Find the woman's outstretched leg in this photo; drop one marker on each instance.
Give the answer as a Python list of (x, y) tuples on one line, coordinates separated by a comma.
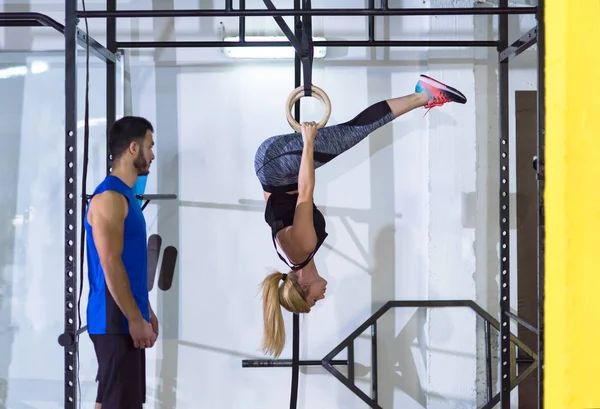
[(277, 160), (402, 105)]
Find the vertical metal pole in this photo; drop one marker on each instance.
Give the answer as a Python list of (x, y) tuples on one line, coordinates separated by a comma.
[(488, 362), (71, 202), (374, 379), (297, 61), (541, 48), (350, 351), (296, 318), (111, 78), (504, 214), (242, 28), (371, 21), (295, 362)]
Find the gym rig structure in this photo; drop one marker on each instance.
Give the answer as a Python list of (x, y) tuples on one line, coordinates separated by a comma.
[(301, 39)]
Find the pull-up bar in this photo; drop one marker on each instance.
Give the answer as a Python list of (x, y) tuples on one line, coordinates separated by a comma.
[(313, 12)]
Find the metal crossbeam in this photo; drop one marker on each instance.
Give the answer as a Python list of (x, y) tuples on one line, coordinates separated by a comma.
[(96, 48), (522, 44), (314, 12), (29, 19), (41, 20), (327, 43)]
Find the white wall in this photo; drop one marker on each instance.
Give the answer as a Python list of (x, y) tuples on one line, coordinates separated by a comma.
[(411, 212)]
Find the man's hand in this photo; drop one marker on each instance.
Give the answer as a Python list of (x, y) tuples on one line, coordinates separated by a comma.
[(142, 334), (154, 322)]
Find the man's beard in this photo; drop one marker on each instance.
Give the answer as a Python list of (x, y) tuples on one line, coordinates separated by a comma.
[(141, 165)]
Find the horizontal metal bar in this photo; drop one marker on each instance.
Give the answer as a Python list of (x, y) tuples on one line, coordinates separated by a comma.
[(521, 321), (519, 46), (350, 43), (429, 303), (284, 363), (95, 47), (20, 23), (156, 197), (37, 17), (313, 12)]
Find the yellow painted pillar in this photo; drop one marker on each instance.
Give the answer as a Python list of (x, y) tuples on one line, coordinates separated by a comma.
[(572, 204)]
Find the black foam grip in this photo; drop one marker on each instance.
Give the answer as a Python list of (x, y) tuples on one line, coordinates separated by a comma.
[(167, 268), (154, 246)]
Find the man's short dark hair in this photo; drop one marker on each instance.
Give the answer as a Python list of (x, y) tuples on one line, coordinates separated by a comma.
[(126, 130)]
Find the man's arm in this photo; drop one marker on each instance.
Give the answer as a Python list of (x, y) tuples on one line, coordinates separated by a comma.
[(108, 212), (153, 319)]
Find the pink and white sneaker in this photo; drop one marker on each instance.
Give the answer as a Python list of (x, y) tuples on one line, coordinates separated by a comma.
[(438, 93)]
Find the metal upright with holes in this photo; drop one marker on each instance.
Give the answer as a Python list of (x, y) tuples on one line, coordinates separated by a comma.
[(504, 208), (111, 76), (71, 197)]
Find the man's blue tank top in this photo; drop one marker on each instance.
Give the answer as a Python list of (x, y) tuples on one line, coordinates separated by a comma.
[(103, 314)]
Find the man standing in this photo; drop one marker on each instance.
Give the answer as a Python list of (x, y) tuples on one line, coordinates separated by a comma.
[(120, 320)]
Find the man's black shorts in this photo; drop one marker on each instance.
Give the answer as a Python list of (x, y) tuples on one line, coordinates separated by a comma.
[(121, 372)]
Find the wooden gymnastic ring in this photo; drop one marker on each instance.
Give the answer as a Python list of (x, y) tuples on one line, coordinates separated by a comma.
[(295, 96)]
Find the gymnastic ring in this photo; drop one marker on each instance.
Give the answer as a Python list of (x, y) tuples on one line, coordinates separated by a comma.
[(295, 96)]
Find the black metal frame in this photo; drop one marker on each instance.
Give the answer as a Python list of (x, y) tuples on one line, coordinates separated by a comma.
[(302, 41), (348, 344)]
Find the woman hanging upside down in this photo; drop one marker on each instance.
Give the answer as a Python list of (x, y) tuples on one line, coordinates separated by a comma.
[(285, 166)]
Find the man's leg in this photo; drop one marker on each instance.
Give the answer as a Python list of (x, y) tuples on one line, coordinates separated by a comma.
[(121, 372), (98, 404), (98, 396)]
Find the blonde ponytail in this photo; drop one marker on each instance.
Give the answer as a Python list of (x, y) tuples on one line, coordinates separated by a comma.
[(289, 296)]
